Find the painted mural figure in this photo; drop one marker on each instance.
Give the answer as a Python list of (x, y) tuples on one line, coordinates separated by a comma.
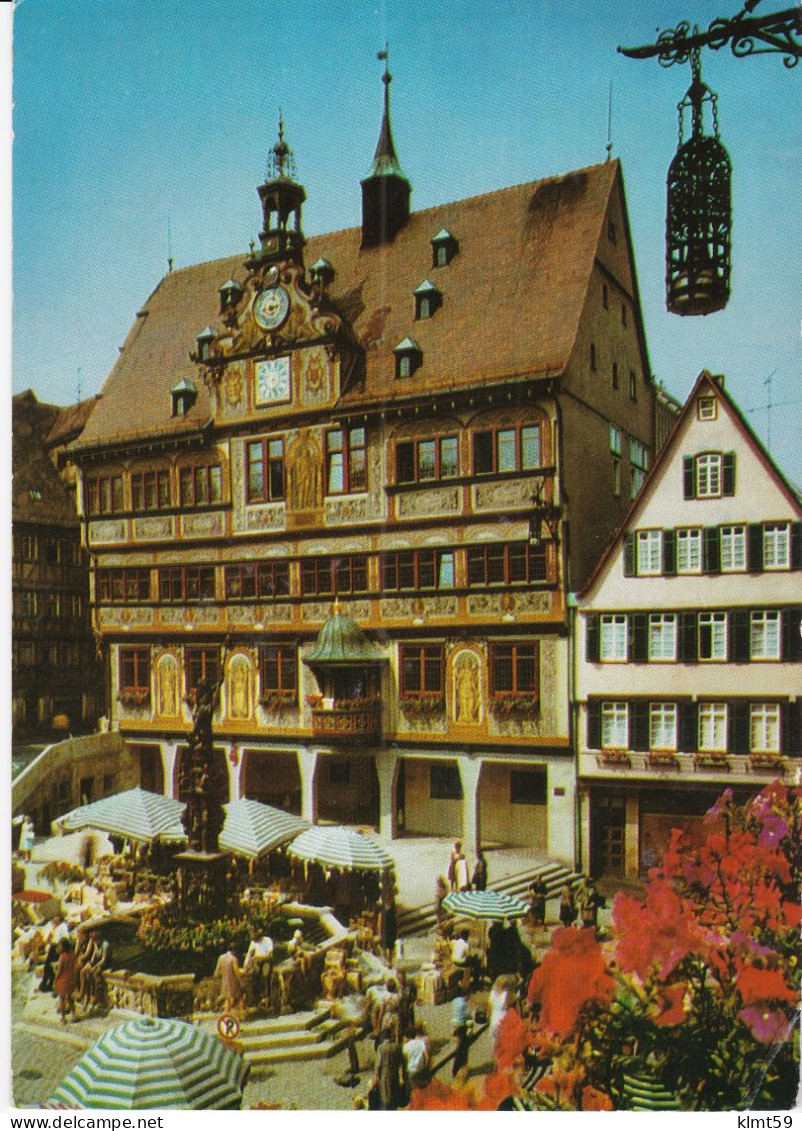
[(468, 700), (240, 690), (306, 480), (168, 687)]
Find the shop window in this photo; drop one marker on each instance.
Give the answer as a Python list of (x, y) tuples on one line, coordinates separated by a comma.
[(444, 782)]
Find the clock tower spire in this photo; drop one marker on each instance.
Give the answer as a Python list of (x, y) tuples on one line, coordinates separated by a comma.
[(282, 198), (385, 190)]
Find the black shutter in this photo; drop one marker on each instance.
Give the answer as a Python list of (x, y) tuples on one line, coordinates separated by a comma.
[(728, 473), (755, 547), (592, 638), (638, 637), (791, 633), (791, 728), (711, 557), (688, 477), (638, 725), (629, 554), (738, 633), (669, 552), (796, 545), (688, 637), (738, 727), (688, 727), (594, 724)]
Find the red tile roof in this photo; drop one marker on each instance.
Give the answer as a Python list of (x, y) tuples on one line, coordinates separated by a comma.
[(512, 300)]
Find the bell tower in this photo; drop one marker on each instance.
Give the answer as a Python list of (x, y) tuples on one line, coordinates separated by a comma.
[(385, 190), (282, 199)]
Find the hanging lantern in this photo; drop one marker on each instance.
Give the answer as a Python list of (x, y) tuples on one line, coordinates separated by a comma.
[(699, 216)]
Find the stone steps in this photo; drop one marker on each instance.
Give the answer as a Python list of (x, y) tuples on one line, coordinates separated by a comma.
[(420, 920), (309, 1035)]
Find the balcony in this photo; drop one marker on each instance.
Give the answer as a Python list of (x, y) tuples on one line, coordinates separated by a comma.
[(347, 718)]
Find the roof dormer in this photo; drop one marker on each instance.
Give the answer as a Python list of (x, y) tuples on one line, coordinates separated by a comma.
[(184, 395), (427, 299), (408, 357), (444, 248)]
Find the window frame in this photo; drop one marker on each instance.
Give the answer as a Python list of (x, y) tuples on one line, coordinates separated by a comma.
[(104, 494), (518, 447), (613, 630), (518, 688), (415, 446), (428, 658), (614, 714), (200, 662), (663, 722), (651, 541), (733, 556), (768, 717), (262, 573), (481, 559), (151, 490), (770, 646), (689, 543), (134, 657), (174, 583), (354, 460), (443, 784), (712, 714), (190, 475), (258, 455), (714, 621), (398, 566), (349, 568), (772, 559), (122, 585), (285, 659), (662, 645)]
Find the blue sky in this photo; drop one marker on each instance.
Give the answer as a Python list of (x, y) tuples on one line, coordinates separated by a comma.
[(135, 118)]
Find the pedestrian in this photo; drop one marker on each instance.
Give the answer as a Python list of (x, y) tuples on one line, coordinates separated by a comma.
[(440, 892), (537, 901), (462, 876), (58, 931), (456, 852), (390, 1012), (479, 878), (387, 1078), (590, 902), (259, 963), (567, 906), (65, 981), (461, 1016), (228, 971), (94, 961), (416, 1053), (27, 839), (388, 925)]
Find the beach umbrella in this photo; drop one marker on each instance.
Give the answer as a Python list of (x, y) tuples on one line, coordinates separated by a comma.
[(72, 848), (155, 1062), (253, 829), (135, 814), (337, 846), (485, 905)]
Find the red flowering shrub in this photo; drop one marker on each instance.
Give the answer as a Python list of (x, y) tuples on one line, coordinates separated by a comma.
[(572, 975)]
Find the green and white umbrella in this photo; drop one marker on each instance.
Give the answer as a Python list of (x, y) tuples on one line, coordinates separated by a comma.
[(252, 829), (485, 905), (154, 1062), (337, 846), (137, 814)]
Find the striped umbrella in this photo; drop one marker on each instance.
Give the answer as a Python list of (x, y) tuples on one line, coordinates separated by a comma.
[(136, 815), (153, 1062), (485, 905), (252, 829), (338, 846)]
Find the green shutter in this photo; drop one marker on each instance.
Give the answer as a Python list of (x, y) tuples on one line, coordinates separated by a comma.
[(638, 637), (738, 633), (688, 477), (738, 727), (711, 556), (629, 554), (688, 727), (669, 552), (594, 724), (639, 725), (688, 637), (592, 642), (728, 473), (755, 562)]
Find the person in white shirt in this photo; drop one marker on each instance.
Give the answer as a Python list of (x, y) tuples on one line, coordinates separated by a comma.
[(416, 1053), (259, 963)]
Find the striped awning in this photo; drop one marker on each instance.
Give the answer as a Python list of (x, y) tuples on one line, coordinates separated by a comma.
[(338, 846), (154, 1062), (485, 905), (252, 829), (136, 815)]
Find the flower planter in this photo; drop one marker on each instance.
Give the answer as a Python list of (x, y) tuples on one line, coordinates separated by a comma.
[(767, 763), (615, 758), (661, 761)]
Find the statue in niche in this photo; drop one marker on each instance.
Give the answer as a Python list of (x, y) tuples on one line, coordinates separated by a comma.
[(168, 686), (239, 689), (468, 691), (306, 475)]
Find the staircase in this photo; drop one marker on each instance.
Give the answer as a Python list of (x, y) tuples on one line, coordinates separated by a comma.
[(307, 1035), (419, 920)]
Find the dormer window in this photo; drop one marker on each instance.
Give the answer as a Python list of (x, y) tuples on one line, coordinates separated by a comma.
[(322, 272), (204, 340), (408, 357), (444, 248), (427, 299), (230, 294), (184, 395), (706, 408)]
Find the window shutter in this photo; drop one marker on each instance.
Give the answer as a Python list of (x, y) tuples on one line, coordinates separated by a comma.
[(688, 727), (592, 641), (738, 632), (629, 554), (594, 724), (638, 725), (688, 477), (637, 637), (728, 473), (755, 547), (738, 727), (791, 642), (711, 557), (688, 637), (796, 545), (669, 552), (791, 728)]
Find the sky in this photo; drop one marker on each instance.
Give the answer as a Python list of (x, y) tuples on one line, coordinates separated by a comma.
[(142, 128)]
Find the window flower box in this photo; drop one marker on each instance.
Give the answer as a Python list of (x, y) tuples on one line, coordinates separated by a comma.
[(512, 704), (134, 696), (662, 760), (314, 700), (767, 761), (421, 704), (616, 758), (712, 759), (278, 700)]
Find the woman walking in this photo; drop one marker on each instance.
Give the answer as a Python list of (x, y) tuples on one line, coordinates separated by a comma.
[(567, 907), (65, 980)]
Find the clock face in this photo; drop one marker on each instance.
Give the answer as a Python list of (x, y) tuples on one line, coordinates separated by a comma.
[(272, 380), (270, 307)]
